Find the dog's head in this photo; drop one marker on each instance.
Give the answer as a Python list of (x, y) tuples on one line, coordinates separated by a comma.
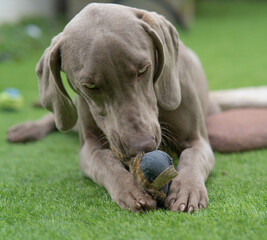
[(124, 63)]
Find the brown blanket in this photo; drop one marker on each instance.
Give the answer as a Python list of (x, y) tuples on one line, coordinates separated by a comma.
[(238, 130)]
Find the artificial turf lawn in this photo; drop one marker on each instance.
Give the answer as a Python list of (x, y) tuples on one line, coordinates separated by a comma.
[(43, 194)]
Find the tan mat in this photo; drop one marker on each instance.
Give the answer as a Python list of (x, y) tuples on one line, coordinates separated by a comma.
[(238, 130)]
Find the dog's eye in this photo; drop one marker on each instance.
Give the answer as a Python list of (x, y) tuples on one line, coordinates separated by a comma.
[(142, 70), (91, 85)]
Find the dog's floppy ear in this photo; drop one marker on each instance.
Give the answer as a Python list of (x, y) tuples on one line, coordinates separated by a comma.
[(52, 93), (165, 37)]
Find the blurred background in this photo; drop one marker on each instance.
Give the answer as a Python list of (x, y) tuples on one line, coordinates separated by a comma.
[(181, 11), (34, 21)]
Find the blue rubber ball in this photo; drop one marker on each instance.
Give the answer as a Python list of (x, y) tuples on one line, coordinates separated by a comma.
[(153, 164)]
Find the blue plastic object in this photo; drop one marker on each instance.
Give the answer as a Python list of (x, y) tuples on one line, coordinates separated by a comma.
[(11, 99)]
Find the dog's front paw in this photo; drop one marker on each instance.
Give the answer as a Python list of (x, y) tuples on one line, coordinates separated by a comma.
[(129, 196), (186, 194)]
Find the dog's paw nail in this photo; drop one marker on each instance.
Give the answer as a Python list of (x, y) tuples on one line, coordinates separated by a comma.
[(191, 209), (200, 206), (142, 201), (137, 205), (182, 207)]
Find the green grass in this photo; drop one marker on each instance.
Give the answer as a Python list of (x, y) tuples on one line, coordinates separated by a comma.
[(43, 194)]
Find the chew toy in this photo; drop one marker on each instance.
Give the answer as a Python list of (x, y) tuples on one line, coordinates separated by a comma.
[(153, 172), (11, 99)]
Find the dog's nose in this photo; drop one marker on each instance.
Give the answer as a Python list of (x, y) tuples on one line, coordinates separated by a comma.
[(144, 145)]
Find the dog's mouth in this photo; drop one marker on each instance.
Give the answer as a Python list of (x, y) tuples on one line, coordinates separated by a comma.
[(125, 158), (129, 146)]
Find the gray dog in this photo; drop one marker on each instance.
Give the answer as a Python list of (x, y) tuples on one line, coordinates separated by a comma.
[(135, 80)]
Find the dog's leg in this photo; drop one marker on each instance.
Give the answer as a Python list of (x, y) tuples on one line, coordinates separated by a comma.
[(100, 164), (31, 130), (187, 191), (103, 167)]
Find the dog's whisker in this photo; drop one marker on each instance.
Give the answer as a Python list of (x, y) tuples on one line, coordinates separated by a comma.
[(104, 143), (165, 144), (166, 127), (169, 135), (101, 138)]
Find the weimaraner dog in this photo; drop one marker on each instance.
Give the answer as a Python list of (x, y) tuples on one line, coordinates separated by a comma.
[(137, 86)]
